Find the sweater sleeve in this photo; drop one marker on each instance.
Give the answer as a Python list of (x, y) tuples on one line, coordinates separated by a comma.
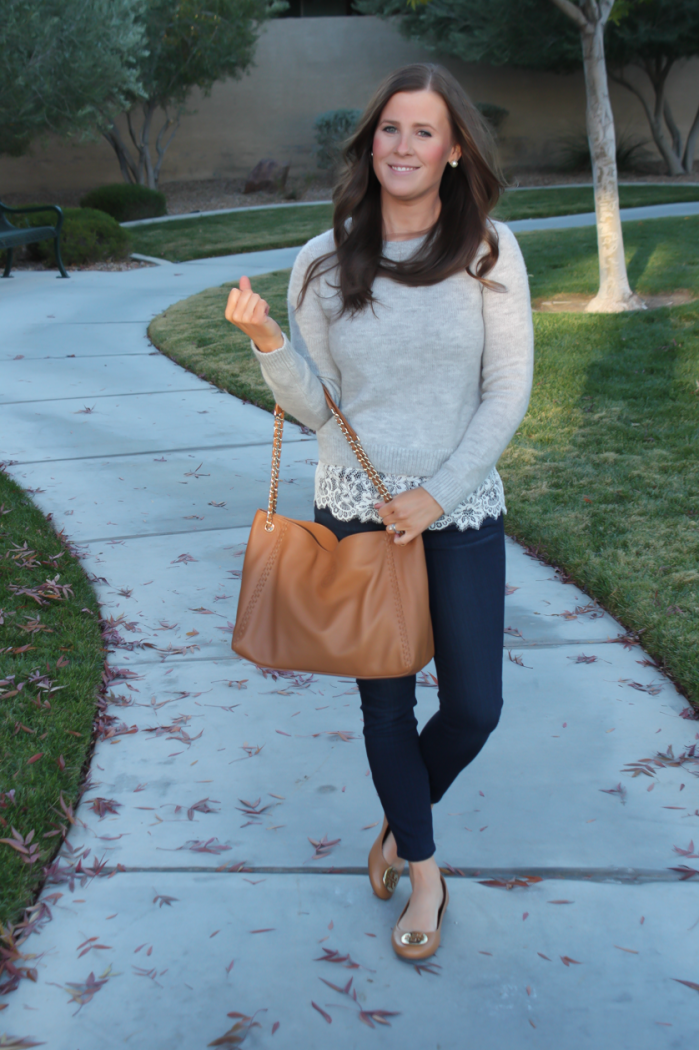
[(506, 379), (295, 371)]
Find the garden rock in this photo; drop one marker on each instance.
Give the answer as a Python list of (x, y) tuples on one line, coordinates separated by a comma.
[(266, 176)]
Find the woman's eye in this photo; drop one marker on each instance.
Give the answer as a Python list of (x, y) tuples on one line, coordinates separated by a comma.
[(423, 132), (389, 127)]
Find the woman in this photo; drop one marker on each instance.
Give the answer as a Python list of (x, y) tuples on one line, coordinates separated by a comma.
[(414, 312)]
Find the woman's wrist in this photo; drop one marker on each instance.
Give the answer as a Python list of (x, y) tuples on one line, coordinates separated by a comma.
[(268, 347)]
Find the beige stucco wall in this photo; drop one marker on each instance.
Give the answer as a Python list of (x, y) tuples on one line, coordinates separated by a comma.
[(307, 65)]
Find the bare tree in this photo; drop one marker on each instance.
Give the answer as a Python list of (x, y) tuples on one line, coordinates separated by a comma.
[(520, 33), (614, 295), (189, 44), (653, 38)]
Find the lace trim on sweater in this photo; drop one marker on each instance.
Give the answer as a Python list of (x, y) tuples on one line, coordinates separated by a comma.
[(347, 493)]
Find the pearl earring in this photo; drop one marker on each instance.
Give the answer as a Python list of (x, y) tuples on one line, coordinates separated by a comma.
[(454, 163)]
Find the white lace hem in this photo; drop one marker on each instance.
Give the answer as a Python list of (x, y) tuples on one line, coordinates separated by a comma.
[(347, 493)]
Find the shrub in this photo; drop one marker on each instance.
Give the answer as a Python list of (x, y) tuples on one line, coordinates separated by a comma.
[(88, 236), (332, 129), (126, 202), (573, 153), (494, 115)]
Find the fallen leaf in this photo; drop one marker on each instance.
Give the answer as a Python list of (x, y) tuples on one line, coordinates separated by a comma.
[(685, 872), (322, 1013), (689, 984), (689, 852)]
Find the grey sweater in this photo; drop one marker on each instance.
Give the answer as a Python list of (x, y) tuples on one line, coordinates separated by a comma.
[(435, 380)]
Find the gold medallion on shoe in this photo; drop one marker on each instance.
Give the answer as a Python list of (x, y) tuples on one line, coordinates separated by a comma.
[(383, 877), (414, 937), (414, 944), (390, 879)]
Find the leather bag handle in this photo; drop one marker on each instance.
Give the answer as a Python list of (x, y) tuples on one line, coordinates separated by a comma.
[(352, 439)]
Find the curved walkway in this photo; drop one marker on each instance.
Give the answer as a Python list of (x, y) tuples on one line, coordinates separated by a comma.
[(626, 213), (157, 483)]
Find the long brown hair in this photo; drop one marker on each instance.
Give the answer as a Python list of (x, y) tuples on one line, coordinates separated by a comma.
[(468, 193)]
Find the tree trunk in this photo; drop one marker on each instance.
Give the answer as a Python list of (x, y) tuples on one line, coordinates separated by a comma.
[(614, 295), (140, 168), (128, 169), (136, 138), (162, 144), (655, 117), (688, 159), (672, 128), (672, 155), (144, 145)]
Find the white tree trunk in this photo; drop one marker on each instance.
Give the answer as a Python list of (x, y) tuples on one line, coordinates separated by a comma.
[(614, 295)]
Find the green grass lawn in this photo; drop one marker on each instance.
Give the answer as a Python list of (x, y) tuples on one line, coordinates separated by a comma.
[(603, 475), (202, 238), (572, 200), (52, 659)]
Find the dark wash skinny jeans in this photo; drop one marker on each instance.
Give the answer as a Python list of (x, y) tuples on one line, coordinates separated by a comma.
[(466, 573)]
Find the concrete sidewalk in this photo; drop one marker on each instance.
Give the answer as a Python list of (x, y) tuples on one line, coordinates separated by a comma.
[(590, 956)]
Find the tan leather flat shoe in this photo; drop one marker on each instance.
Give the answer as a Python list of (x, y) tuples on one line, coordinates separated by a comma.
[(415, 945), (383, 876)]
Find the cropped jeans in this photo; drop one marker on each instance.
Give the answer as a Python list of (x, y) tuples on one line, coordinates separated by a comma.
[(411, 770)]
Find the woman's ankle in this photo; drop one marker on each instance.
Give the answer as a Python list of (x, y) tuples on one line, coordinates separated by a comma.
[(424, 873), (390, 851)]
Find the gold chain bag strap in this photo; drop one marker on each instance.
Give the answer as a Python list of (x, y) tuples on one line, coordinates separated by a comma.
[(357, 607)]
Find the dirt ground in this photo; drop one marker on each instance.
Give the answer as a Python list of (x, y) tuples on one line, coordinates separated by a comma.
[(572, 302)]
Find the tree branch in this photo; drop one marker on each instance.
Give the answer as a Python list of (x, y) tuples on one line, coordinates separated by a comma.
[(654, 117), (131, 131), (672, 128), (148, 111), (605, 10), (619, 78), (161, 150), (129, 171), (688, 159), (573, 12)]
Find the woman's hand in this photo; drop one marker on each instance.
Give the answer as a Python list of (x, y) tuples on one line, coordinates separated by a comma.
[(411, 512), (250, 313)]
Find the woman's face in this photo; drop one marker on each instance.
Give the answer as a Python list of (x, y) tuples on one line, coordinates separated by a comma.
[(413, 143)]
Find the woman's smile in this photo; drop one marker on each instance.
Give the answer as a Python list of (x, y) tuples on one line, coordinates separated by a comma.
[(412, 144)]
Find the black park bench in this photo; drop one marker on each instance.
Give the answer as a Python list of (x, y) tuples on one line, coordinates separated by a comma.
[(13, 236)]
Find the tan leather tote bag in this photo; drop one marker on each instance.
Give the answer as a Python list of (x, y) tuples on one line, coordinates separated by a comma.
[(356, 607)]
